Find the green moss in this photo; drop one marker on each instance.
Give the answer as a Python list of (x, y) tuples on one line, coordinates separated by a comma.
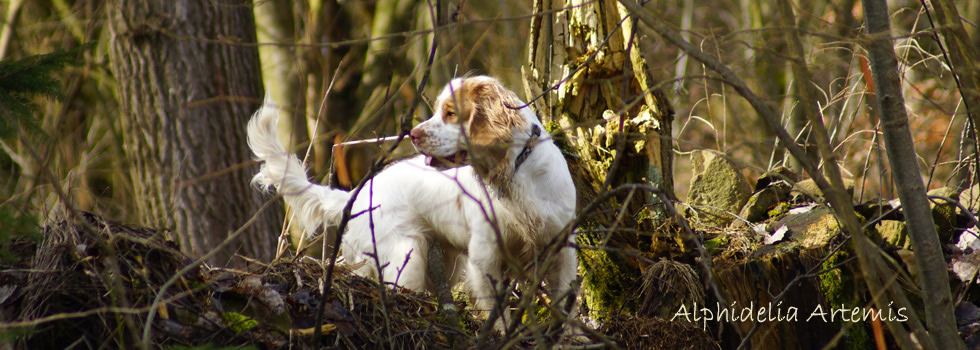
[(539, 313), (609, 282), (716, 244), (238, 322), (780, 209), (838, 289), (560, 139), (831, 282), (944, 216)]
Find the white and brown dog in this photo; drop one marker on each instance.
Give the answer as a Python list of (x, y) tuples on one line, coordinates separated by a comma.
[(490, 186)]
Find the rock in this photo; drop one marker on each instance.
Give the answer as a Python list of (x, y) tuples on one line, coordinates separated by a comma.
[(908, 258), (893, 232), (873, 209), (777, 174), (971, 198), (717, 189), (948, 192), (819, 232), (968, 320), (969, 241), (965, 267), (757, 207), (811, 226), (944, 212), (808, 188), (967, 313)]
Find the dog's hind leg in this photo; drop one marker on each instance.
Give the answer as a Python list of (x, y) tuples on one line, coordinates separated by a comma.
[(455, 261), (406, 265)]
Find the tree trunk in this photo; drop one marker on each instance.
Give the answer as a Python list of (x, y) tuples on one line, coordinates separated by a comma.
[(280, 73), (187, 87), (933, 278), (603, 105)]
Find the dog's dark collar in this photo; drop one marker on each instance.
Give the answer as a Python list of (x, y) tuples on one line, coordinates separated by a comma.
[(528, 147)]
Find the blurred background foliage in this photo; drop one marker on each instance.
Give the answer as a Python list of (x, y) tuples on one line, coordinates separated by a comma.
[(349, 70)]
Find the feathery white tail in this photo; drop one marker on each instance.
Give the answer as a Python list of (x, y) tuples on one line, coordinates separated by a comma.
[(312, 204)]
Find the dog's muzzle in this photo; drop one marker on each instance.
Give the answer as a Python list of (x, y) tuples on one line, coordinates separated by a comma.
[(457, 159)]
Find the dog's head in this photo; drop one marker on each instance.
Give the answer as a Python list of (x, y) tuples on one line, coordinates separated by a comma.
[(474, 122)]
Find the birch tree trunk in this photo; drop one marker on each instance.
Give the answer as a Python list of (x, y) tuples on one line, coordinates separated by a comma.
[(602, 102), (187, 86)]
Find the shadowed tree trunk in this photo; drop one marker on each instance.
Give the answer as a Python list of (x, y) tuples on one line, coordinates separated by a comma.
[(608, 105), (187, 88)]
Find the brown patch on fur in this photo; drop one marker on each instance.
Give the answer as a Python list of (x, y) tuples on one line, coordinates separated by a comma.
[(526, 227), (488, 110), (486, 107)]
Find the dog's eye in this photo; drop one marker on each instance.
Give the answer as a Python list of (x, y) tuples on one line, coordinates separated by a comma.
[(450, 114)]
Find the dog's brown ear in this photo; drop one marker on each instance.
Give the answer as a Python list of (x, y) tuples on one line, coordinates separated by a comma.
[(493, 111), (493, 120)]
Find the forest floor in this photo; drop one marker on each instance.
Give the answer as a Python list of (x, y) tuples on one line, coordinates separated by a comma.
[(94, 283)]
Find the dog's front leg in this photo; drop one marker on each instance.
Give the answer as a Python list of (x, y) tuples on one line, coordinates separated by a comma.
[(561, 276), (485, 276), (560, 280)]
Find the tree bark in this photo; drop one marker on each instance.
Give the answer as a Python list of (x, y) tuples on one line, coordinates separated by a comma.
[(601, 102), (933, 278), (187, 86)]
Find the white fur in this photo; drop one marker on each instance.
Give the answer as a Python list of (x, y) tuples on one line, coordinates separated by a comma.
[(415, 204)]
